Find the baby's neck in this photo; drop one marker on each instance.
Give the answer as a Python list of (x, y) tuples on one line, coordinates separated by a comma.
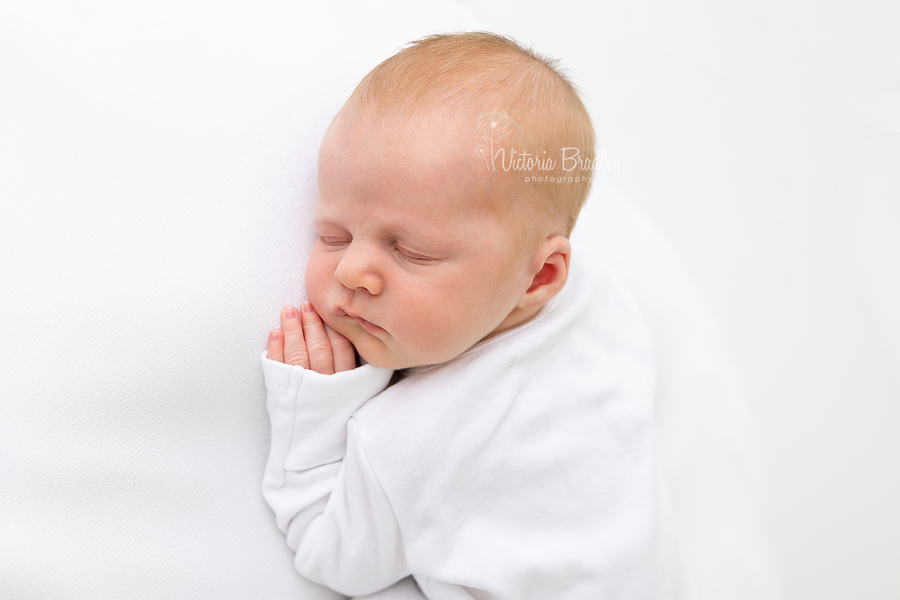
[(517, 317)]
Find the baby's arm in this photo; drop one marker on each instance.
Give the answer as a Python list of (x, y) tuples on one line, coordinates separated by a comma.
[(318, 482)]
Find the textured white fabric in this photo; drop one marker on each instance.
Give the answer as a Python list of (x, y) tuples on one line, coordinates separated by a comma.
[(157, 172), (157, 169), (522, 469)]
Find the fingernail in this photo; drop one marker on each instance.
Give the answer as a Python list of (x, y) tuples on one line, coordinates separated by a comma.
[(290, 312), (274, 335), (307, 307)]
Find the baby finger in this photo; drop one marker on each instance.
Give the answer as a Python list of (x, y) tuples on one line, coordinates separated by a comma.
[(317, 344)]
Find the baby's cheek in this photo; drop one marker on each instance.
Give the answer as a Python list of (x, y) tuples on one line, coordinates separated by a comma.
[(435, 335), (317, 291), (317, 275)]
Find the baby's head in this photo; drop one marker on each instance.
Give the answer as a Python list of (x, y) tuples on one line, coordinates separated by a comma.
[(441, 218)]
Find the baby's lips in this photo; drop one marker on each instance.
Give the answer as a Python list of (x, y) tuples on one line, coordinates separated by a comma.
[(367, 325)]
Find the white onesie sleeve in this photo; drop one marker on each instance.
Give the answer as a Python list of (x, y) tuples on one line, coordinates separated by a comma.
[(326, 499)]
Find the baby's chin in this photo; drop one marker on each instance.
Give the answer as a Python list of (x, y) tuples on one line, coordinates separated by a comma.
[(377, 353), (382, 357)]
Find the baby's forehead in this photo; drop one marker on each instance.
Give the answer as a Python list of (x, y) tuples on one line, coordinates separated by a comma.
[(449, 142), (441, 149)]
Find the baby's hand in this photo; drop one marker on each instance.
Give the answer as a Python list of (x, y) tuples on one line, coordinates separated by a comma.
[(306, 341)]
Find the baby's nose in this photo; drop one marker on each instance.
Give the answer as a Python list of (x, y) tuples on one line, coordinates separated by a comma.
[(358, 269)]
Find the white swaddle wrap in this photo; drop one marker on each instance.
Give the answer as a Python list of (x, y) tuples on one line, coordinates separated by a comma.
[(522, 469)]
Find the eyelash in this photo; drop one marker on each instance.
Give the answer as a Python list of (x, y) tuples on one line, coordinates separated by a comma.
[(413, 258), (327, 243)]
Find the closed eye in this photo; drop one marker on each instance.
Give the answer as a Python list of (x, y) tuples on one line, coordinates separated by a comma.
[(334, 241), (414, 257)]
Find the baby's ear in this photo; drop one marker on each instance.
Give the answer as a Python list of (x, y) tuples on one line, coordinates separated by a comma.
[(552, 263)]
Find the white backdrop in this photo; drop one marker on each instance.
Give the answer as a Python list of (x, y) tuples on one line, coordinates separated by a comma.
[(762, 139)]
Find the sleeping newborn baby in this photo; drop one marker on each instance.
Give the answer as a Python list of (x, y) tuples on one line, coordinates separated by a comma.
[(496, 441)]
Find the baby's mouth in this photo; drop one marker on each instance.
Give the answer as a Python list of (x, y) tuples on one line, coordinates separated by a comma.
[(367, 325)]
